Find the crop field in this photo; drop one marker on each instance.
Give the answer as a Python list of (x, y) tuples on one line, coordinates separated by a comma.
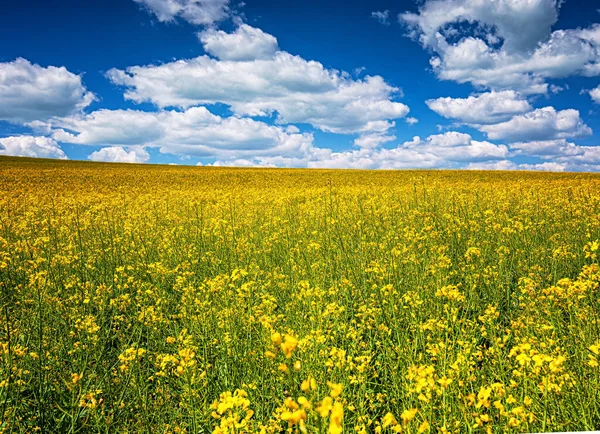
[(165, 299)]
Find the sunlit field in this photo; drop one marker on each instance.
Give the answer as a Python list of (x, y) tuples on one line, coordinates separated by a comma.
[(171, 299)]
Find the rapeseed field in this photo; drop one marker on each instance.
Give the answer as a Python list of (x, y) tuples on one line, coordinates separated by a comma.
[(166, 299)]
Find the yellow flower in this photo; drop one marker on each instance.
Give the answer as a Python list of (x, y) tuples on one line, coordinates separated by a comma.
[(408, 415), (423, 427), (305, 386), (308, 385), (276, 339), (336, 419), (335, 389), (388, 420), (445, 382), (305, 403), (76, 377), (293, 417), (325, 407), (288, 345)]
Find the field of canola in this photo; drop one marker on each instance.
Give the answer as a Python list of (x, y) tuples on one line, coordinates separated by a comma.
[(164, 299)]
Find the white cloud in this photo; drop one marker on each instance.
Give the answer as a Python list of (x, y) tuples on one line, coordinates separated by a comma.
[(547, 148), (382, 17), (198, 12), (558, 155), (449, 139), (508, 116), (587, 159), (453, 146), (29, 146), (397, 158), (411, 121), (322, 158), (485, 108), (510, 165), (116, 154), (195, 131), (545, 167), (595, 94), (541, 124), (507, 44), (31, 92), (521, 24), (493, 165), (373, 140), (126, 134), (246, 43), (451, 149), (297, 90)]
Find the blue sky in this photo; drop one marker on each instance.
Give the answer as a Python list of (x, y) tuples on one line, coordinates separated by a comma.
[(502, 84)]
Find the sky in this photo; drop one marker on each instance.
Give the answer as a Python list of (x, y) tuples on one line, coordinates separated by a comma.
[(457, 84)]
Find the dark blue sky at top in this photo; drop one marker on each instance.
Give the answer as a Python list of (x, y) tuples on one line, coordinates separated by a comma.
[(90, 37)]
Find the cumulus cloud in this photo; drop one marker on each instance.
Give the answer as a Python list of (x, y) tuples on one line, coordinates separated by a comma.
[(30, 92), (288, 86), (552, 155), (382, 17), (493, 165), (521, 24), (595, 94), (451, 149), (547, 148), (503, 44), (245, 43), (373, 140), (545, 167), (198, 12), (540, 124), (485, 108), (411, 121), (458, 147), (508, 116), (510, 165), (195, 131), (117, 154), (323, 158), (30, 146), (587, 160), (126, 134)]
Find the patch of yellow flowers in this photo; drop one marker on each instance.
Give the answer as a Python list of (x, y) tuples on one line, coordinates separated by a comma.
[(186, 300)]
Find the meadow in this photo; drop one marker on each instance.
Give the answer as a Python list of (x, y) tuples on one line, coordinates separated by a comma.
[(165, 299)]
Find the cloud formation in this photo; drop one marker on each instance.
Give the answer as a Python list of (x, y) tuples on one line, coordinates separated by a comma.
[(198, 12), (293, 89), (245, 43), (117, 154), (382, 16), (30, 92), (540, 124), (195, 132), (595, 94), (486, 108), (449, 150), (504, 44), (30, 146)]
